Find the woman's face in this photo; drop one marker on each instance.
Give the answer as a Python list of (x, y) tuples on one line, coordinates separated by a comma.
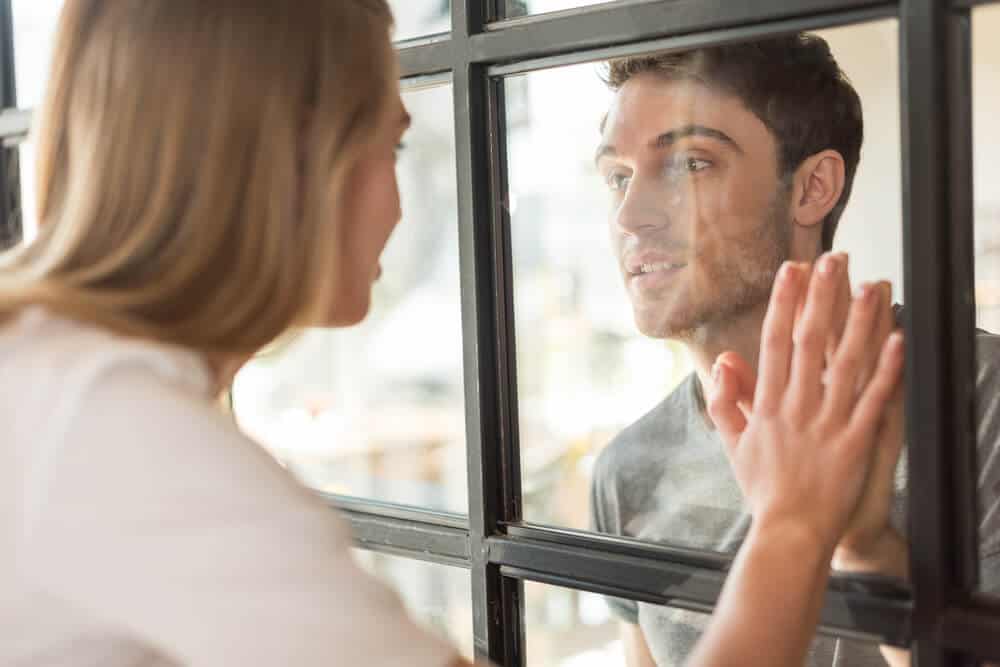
[(371, 212)]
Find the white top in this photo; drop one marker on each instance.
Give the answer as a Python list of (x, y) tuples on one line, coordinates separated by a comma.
[(139, 527)]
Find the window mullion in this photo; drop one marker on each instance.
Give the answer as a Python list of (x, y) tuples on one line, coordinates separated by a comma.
[(10, 170), (939, 325)]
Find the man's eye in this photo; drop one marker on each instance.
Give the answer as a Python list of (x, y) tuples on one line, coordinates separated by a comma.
[(693, 164), (618, 181)]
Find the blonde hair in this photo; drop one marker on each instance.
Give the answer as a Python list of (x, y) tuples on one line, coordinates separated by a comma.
[(191, 156)]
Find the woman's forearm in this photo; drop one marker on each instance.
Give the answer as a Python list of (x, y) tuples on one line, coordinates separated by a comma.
[(771, 601)]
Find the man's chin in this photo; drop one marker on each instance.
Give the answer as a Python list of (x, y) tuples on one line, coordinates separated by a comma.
[(673, 328)]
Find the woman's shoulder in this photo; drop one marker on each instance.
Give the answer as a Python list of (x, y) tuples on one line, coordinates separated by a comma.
[(131, 418), (52, 353), (71, 387)]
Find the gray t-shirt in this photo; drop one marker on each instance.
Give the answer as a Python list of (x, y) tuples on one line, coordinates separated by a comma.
[(666, 479)]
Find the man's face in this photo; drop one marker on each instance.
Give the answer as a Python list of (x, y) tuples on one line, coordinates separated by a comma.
[(700, 221)]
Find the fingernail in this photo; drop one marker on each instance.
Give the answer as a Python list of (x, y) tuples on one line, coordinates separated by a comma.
[(716, 371), (829, 265), (864, 292)]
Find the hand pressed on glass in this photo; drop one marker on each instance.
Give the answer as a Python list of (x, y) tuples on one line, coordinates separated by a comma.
[(870, 542), (808, 403), (801, 450)]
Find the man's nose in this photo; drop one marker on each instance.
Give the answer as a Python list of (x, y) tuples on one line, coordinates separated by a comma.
[(643, 208)]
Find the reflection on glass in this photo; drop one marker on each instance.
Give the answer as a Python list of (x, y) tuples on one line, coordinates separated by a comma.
[(568, 628), (378, 410), (986, 104), (525, 7), (438, 597), (599, 362), (417, 18), (35, 23)]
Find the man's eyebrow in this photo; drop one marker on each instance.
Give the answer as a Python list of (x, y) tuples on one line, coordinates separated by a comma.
[(673, 136), (668, 139)]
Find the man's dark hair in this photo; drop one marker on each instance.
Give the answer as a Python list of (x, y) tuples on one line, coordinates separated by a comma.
[(792, 83)]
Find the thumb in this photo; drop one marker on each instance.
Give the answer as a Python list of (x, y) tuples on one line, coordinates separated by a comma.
[(724, 404), (744, 378), (888, 449)]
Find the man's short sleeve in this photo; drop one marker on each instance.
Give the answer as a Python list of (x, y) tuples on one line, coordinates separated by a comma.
[(988, 455)]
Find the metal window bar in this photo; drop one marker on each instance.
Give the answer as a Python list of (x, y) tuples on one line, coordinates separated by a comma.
[(10, 166)]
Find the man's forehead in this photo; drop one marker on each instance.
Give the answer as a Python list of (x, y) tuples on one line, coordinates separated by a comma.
[(653, 100), (649, 105)]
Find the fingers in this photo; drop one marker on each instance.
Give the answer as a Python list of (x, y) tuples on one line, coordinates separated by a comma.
[(841, 309), (842, 385), (776, 339), (744, 375), (890, 438), (885, 324), (813, 331), (724, 404), (880, 390)]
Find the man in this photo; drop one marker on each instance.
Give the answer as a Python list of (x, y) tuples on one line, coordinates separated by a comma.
[(723, 162)]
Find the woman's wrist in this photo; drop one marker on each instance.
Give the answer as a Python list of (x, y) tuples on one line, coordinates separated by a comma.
[(792, 536)]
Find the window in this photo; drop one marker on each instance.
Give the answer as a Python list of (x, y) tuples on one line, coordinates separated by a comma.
[(524, 7), (528, 361), (35, 23), (586, 369), (418, 18), (571, 628), (436, 595)]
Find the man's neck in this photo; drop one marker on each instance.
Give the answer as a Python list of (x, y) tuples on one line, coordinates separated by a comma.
[(740, 335)]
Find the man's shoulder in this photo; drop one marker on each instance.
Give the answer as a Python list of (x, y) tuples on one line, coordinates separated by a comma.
[(647, 438), (987, 356), (987, 388)]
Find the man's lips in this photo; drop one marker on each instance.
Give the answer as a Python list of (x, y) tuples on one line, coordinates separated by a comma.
[(642, 263)]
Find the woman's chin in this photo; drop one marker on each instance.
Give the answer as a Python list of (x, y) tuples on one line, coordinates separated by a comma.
[(349, 315)]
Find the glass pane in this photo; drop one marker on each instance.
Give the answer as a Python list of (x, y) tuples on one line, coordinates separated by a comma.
[(600, 362), (437, 596), (524, 7), (569, 628), (986, 105), (378, 410), (417, 18), (35, 23)]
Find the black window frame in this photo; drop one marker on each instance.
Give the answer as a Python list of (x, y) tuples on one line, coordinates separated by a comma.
[(944, 620)]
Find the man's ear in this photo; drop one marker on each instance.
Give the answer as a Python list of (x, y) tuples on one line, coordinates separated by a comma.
[(817, 187)]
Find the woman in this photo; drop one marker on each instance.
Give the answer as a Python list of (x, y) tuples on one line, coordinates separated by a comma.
[(210, 176)]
